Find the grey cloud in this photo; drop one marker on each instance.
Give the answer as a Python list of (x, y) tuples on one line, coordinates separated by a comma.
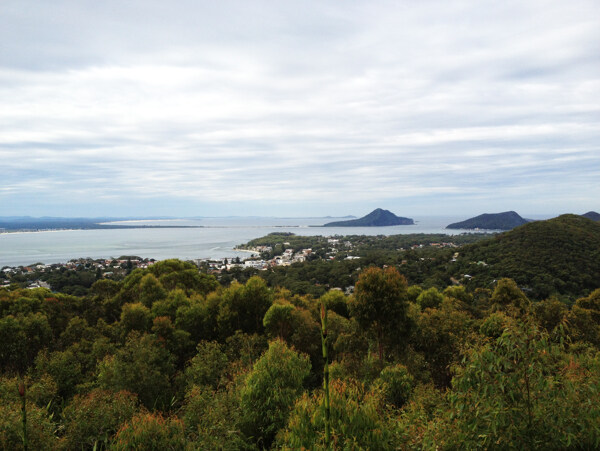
[(308, 101)]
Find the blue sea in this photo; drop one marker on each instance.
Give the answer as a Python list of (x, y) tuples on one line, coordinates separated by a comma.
[(216, 239)]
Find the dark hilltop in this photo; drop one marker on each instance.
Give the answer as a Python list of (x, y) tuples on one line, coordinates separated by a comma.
[(377, 218), (594, 216), (493, 221)]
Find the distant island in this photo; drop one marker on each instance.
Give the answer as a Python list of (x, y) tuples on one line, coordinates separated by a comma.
[(377, 218), (29, 224), (495, 221), (594, 216)]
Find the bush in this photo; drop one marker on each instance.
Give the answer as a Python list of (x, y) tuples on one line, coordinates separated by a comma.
[(40, 430), (397, 384), (150, 432), (357, 420), (211, 418), (92, 420)]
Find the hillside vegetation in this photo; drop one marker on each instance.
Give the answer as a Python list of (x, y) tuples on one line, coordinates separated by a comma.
[(556, 256), (174, 358)]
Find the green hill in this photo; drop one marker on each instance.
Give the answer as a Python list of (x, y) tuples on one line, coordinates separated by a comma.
[(557, 256), (377, 218), (494, 221)]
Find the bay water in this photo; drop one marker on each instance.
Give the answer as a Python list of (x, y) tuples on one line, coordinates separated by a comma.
[(216, 238)]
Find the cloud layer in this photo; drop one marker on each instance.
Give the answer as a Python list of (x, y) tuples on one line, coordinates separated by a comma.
[(298, 107)]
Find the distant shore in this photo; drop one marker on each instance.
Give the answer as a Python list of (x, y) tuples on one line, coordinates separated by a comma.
[(112, 227)]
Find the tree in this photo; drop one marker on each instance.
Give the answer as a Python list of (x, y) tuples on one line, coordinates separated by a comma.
[(380, 305), (207, 365), (430, 298), (143, 366), (135, 317), (243, 307), (151, 290), (507, 293), (270, 390)]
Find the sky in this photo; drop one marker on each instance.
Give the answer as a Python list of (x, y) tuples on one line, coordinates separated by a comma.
[(298, 108)]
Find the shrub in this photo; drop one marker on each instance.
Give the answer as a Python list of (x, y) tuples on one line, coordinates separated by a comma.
[(91, 420), (40, 430), (357, 420), (150, 432), (397, 384)]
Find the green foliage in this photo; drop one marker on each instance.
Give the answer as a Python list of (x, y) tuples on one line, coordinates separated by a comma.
[(105, 288), (337, 302), (495, 324), (171, 265), (212, 418), (207, 366), (459, 293), (380, 304), (270, 390), (397, 384), (150, 432), (189, 280), (558, 256), (150, 290), (298, 328), (519, 392), (142, 366), (91, 420), (22, 337), (179, 342), (243, 307), (64, 368), (40, 429), (42, 391), (430, 298), (550, 314), (168, 307), (592, 304), (413, 292), (507, 293), (196, 318), (279, 321), (245, 349), (440, 335), (358, 420), (135, 317)]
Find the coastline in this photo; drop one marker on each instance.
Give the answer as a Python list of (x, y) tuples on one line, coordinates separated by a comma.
[(116, 227)]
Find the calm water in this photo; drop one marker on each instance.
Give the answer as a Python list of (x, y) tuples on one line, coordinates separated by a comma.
[(216, 239)]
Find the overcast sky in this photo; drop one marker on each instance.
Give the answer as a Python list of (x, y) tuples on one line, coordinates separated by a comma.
[(299, 108)]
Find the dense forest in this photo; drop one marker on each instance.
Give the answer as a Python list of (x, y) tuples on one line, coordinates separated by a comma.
[(171, 357)]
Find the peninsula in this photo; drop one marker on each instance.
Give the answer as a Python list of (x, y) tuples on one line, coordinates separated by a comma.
[(377, 218)]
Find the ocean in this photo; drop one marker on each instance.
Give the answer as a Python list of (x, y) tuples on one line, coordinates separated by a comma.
[(216, 239)]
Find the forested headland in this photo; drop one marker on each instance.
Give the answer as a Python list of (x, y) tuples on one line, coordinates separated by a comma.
[(478, 343)]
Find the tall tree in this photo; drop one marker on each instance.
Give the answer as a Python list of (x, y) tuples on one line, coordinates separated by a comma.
[(380, 305)]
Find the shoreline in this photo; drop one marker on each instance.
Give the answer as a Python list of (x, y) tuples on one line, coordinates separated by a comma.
[(5, 232)]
